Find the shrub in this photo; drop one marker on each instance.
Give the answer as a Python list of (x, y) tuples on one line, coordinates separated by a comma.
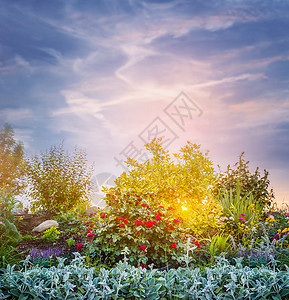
[(51, 234), (182, 181), (151, 232), (59, 181), (249, 182)]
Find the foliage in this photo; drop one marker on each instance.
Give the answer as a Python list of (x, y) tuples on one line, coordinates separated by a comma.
[(70, 242), (29, 237), (219, 244), (51, 234), (9, 237), (76, 281), (68, 220), (152, 232), (11, 161), (7, 204), (249, 182), (59, 181), (241, 212), (181, 180), (8, 232), (8, 255)]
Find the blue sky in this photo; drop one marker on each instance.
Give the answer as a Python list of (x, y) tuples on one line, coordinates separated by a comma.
[(102, 74)]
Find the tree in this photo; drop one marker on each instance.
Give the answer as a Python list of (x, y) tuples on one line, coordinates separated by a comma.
[(11, 161), (59, 181), (183, 181), (249, 182)]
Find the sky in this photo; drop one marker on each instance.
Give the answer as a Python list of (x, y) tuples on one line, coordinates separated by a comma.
[(107, 76)]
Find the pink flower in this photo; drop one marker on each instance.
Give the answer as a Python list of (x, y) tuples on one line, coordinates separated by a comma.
[(91, 225), (242, 214), (121, 225), (102, 215), (241, 219), (89, 230), (125, 220)]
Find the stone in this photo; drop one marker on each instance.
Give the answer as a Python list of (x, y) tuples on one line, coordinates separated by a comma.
[(92, 210), (45, 225)]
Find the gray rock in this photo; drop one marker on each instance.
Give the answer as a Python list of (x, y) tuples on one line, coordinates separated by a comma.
[(92, 210), (45, 225)]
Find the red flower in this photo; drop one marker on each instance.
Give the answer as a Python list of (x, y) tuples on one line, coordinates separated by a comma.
[(91, 225), (196, 242), (125, 220), (121, 225), (102, 215), (121, 218), (110, 240), (173, 245), (91, 234), (117, 200), (137, 232), (149, 224), (166, 228), (117, 218), (154, 222), (143, 204), (79, 247), (157, 217), (89, 230), (138, 223), (137, 203), (172, 228), (143, 247), (143, 265), (176, 221)]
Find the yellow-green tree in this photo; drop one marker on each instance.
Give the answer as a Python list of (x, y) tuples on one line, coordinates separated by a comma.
[(183, 181)]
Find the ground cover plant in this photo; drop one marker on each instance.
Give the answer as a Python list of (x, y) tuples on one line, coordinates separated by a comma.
[(165, 233)]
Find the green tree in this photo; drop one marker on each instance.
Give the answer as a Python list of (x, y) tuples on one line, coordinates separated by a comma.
[(11, 161), (249, 182), (59, 181), (182, 181)]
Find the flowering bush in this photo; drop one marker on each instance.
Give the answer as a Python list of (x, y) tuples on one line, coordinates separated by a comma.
[(151, 232)]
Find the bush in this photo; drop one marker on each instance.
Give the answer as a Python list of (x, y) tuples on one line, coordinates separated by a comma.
[(249, 182), (59, 181), (183, 181), (151, 232)]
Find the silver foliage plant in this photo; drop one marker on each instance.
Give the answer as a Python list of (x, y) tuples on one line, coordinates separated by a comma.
[(77, 281)]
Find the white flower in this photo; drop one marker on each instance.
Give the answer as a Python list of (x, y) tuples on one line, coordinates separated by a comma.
[(272, 217), (254, 229)]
